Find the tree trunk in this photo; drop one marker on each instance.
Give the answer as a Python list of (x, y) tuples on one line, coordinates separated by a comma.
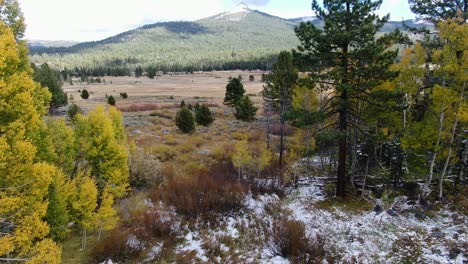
[(83, 240), (427, 185), (342, 148), (452, 139), (365, 177)]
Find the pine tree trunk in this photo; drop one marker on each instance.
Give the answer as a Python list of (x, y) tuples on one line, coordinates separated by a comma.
[(341, 175)]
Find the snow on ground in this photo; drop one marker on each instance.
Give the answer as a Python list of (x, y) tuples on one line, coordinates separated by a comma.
[(350, 237), (381, 238)]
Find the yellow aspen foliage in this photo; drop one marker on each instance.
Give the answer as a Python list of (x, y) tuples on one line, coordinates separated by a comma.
[(261, 157), (117, 122), (46, 252), (106, 155), (241, 157), (106, 216), (305, 98), (61, 139), (85, 201), (24, 181)]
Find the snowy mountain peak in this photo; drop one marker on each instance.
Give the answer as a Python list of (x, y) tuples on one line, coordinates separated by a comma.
[(241, 8)]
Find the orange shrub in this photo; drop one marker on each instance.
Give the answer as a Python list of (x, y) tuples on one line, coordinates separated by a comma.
[(204, 193)]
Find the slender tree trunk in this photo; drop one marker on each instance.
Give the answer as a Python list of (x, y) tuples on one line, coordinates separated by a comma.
[(100, 231), (427, 185), (83, 240), (365, 177), (282, 121), (452, 139)]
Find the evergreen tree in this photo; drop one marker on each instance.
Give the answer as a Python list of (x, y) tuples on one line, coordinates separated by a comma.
[(138, 72), (346, 56), (57, 215), (48, 78), (182, 104), (234, 92), (438, 10), (278, 91), (203, 115), (245, 109), (84, 94), (111, 100), (73, 110), (12, 16), (185, 121)]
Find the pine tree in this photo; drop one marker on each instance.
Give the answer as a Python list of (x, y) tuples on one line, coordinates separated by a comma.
[(438, 10), (348, 58), (278, 91), (185, 121), (111, 100), (245, 109), (57, 215), (203, 115), (48, 78), (84, 94), (12, 16), (234, 92)]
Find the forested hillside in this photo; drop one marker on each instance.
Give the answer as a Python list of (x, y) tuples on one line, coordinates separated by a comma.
[(226, 39), (241, 39)]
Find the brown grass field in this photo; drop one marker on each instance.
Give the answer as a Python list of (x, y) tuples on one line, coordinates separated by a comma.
[(208, 86)]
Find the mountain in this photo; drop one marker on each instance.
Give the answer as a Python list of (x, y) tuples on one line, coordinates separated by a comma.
[(240, 38), (37, 44)]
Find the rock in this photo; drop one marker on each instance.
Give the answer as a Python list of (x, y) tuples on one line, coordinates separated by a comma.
[(165, 131), (391, 212), (204, 152), (136, 131), (378, 206), (437, 234), (420, 215)]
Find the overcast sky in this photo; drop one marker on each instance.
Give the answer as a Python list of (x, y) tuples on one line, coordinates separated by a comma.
[(86, 20)]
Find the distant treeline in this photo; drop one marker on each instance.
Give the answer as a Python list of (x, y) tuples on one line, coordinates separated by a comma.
[(153, 70)]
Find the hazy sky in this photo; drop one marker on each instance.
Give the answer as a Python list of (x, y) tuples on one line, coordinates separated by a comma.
[(86, 20)]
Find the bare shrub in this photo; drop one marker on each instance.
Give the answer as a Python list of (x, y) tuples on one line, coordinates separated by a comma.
[(163, 152), (114, 246), (276, 129), (153, 225), (203, 193), (292, 242), (145, 168)]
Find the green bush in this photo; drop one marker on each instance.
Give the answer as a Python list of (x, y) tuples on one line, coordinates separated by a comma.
[(185, 121), (203, 115), (245, 109), (111, 100), (84, 94), (72, 111)]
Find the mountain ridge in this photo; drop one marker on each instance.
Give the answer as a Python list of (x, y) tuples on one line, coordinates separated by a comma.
[(238, 37)]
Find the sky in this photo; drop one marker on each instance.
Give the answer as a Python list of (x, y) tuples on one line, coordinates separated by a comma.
[(86, 20)]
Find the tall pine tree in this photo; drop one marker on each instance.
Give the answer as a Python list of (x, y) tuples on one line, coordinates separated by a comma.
[(350, 60)]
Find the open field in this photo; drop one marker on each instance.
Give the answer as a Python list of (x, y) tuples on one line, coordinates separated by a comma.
[(200, 85)]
